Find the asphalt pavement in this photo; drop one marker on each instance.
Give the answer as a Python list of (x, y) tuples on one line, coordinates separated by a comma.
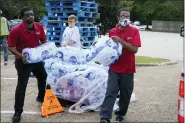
[(156, 87), (161, 45), (156, 90)]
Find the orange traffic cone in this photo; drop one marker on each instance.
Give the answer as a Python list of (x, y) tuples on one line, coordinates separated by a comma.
[(51, 104)]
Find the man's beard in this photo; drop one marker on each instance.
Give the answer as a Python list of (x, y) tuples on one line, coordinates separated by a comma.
[(30, 21)]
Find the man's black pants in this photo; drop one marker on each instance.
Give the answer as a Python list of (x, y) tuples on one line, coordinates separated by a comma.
[(117, 82), (23, 71)]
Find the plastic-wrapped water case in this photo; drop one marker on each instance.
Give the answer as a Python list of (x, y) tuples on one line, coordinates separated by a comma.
[(40, 53)]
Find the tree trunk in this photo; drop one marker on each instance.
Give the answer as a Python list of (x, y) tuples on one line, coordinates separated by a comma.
[(147, 24)]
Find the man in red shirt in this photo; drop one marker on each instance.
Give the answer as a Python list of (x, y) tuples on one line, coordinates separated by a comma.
[(27, 34), (121, 73)]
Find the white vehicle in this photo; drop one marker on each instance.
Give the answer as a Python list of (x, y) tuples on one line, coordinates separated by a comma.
[(13, 23), (137, 25)]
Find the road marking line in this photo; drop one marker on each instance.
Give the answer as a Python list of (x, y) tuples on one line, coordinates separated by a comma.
[(24, 112), (12, 78), (2, 64)]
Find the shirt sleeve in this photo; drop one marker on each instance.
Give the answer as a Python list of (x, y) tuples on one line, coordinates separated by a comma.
[(136, 41), (43, 35), (12, 38), (75, 37)]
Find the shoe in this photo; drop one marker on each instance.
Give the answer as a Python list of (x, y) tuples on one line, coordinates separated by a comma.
[(32, 76), (119, 118), (16, 118), (5, 63), (41, 100), (104, 120)]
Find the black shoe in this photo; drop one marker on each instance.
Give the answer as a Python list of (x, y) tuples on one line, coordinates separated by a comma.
[(41, 100), (16, 118), (104, 120), (119, 118)]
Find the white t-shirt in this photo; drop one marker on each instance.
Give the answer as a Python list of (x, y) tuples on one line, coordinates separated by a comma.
[(72, 34)]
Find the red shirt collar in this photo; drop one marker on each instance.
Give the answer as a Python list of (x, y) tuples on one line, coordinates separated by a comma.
[(24, 27), (119, 30)]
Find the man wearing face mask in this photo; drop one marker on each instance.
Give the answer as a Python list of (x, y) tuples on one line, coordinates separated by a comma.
[(71, 35), (27, 34), (121, 73)]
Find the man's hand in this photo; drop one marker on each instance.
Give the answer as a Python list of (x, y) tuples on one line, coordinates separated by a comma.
[(43, 42), (69, 43), (15, 52), (126, 45), (23, 58), (63, 45), (97, 62), (116, 38)]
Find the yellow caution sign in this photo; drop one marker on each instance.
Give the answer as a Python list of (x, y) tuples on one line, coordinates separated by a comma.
[(51, 105)]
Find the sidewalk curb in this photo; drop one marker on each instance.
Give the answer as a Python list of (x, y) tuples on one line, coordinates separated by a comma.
[(156, 64), (9, 53)]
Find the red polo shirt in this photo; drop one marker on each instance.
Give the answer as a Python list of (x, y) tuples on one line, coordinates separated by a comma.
[(126, 62), (20, 37)]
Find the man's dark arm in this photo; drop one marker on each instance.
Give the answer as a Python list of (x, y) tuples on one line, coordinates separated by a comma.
[(15, 52), (44, 41), (128, 46)]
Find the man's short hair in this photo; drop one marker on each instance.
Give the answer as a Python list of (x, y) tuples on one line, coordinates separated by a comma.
[(24, 9), (122, 9), (72, 17)]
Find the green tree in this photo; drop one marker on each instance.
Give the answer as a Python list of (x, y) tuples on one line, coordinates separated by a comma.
[(165, 10), (11, 8), (108, 12), (171, 11)]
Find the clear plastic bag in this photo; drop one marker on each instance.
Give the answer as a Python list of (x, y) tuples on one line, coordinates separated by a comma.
[(40, 53), (73, 73)]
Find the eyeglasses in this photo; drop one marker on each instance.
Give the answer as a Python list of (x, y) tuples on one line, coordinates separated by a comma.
[(123, 16), (70, 21), (28, 15)]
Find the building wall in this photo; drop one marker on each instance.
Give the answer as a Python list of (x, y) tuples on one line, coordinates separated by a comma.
[(167, 26)]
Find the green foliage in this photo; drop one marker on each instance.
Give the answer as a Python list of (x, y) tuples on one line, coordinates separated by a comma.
[(142, 10), (11, 8), (171, 10), (144, 59), (108, 11), (165, 10)]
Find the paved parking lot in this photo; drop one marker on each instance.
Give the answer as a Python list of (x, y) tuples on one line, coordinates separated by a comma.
[(161, 45), (156, 88), (156, 92)]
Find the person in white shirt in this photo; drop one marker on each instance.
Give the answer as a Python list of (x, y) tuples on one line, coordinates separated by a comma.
[(71, 34)]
